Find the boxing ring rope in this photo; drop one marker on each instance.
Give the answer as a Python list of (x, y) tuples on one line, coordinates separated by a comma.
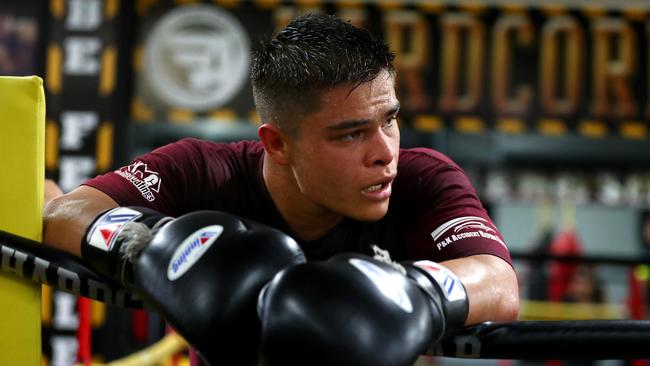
[(558, 340), (42, 264), (563, 339)]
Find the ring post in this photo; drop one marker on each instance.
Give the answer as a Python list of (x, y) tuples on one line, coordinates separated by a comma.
[(22, 130)]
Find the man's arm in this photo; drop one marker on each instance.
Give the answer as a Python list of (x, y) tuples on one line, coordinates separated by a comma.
[(491, 285), (66, 217), (51, 191)]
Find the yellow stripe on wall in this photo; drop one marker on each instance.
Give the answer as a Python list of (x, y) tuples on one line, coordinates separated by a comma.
[(467, 124), (51, 145), (553, 127), (511, 125), (46, 305), (107, 73), (180, 115), (143, 7), (97, 313), (140, 111), (111, 8), (105, 146), (594, 129), (224, 115), (633, 130), (53, 68), (254, 117), (22, 145), (428, 123), (57, 8)]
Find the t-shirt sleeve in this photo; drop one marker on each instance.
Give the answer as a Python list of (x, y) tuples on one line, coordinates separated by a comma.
[(451, 222), (166, 179)]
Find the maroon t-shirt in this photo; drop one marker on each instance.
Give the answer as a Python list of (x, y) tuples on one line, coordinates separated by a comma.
[(434, 212)]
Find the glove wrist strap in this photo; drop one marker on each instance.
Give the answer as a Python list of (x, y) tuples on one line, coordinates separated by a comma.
[(99, 244), (451, 292)]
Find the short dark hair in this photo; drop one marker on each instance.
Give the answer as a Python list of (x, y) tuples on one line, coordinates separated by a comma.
[(313, 53)]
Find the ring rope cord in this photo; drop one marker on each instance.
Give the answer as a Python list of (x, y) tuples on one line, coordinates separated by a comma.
[(166, 347), (556, 340), (42, 264)]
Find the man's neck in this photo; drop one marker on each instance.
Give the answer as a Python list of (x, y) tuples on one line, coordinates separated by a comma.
[(306, 220)]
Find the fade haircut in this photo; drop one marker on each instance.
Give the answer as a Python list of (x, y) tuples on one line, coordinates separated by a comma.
[(312, 54)]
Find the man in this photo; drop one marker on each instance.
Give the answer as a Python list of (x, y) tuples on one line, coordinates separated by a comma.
[(327, 170)]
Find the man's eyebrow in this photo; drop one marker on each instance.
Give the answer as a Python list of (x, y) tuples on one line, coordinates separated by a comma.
[(348, 125), (357, 123), (393, 111)]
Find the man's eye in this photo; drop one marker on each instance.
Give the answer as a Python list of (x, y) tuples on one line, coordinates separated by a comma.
[(351, 136), (389, 122)]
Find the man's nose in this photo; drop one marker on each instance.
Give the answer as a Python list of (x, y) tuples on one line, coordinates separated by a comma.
[(382, 149)]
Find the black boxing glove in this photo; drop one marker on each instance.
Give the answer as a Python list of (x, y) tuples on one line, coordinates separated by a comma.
[(348, 310), (448, 296), (116, 237), (203, 272)]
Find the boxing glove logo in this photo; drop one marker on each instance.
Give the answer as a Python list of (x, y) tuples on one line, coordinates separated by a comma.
[(385, 283), (191, 250), (105, 229)]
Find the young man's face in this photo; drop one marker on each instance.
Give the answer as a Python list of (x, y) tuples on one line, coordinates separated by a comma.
[(344, 157)]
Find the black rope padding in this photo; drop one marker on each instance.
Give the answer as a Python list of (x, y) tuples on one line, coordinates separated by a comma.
[(552, 340), (62, 271)]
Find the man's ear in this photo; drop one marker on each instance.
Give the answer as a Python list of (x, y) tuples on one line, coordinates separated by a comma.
[(275, 142)]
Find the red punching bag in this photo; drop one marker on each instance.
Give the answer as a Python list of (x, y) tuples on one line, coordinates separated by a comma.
[(561, 273)]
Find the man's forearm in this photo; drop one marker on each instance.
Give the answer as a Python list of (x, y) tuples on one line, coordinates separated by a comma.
[(491, 286), (66, 218)]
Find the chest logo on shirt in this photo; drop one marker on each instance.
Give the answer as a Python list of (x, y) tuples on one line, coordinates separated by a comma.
[(463, 228), (146, 181)]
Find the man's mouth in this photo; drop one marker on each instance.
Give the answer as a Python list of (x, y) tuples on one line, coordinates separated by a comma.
[(379, 191), (374, 188)]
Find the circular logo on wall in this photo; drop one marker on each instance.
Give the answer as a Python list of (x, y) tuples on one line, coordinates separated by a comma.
[(196, 57)]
